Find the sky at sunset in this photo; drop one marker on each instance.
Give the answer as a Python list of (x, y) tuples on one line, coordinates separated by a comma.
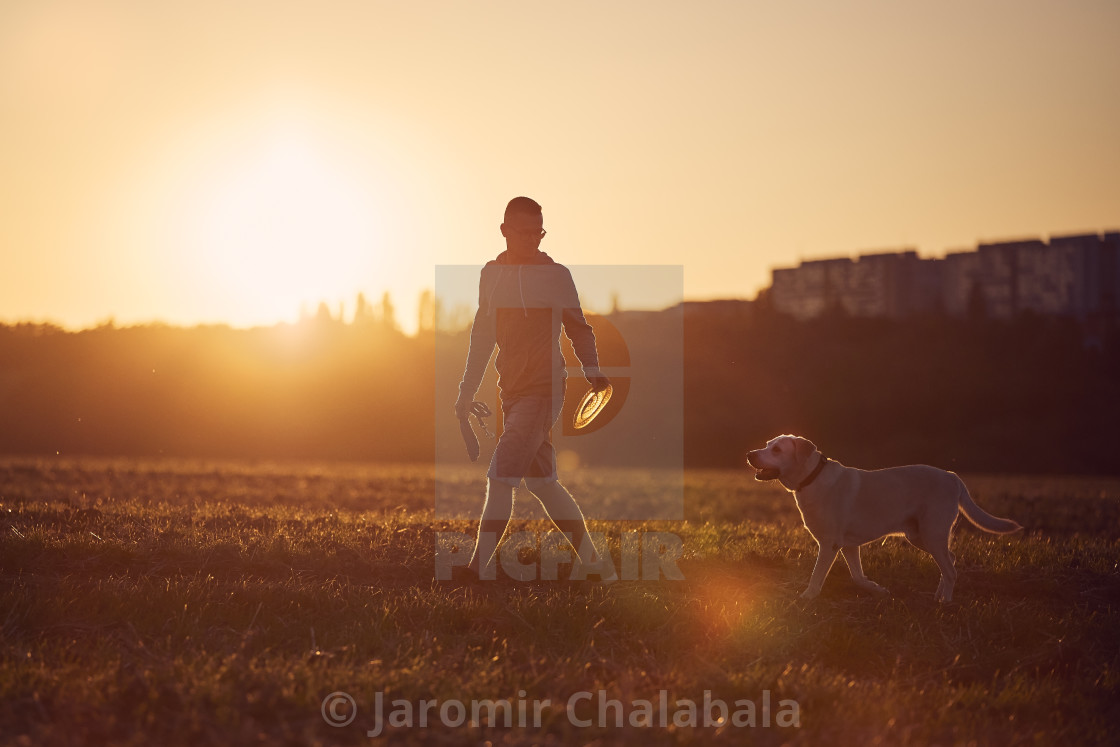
[(234, 161)]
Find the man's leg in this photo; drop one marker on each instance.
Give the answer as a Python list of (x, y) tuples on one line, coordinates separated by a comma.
[(523, 432), (495, 517), (568, 518)]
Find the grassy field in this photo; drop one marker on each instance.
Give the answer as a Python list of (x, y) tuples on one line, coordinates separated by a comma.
[(193, 603)]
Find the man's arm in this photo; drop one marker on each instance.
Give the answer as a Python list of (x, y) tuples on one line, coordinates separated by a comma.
[(580, 332), (483, 339)]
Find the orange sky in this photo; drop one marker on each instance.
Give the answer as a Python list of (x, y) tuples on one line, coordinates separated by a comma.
[(229, 161)]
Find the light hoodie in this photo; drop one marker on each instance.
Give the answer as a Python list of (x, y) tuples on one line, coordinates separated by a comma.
[(521, 308)]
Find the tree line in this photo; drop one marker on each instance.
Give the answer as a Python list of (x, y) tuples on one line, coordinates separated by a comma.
[(1027, 395)]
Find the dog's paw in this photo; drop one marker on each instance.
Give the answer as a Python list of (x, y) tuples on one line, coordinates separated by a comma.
[(809, 594)]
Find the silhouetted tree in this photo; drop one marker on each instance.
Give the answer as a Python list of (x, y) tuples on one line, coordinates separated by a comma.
[(363, 312), (428, 315), (388, 313)]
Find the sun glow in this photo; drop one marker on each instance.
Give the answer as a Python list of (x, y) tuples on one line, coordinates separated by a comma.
[(283, 228)]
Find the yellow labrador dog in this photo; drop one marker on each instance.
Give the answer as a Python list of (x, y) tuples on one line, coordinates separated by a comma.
[(844, 507)]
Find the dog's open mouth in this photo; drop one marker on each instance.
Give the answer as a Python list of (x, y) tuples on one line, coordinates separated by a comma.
[(766, 474), (761, 473)]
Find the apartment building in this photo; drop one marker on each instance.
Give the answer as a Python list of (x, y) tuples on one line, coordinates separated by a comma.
[(1076, 276)]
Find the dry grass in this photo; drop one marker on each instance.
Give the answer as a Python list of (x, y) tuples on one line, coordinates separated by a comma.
[(187, 603)]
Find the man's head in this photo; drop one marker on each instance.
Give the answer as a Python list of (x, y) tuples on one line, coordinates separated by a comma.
[(523, 227)]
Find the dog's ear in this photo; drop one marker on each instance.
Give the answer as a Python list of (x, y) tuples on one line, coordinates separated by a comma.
[(803, 449)]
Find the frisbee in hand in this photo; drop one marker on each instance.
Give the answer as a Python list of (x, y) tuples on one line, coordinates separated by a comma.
[(593, 403)]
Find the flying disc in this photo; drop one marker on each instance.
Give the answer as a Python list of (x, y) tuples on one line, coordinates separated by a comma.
[(593, 403)]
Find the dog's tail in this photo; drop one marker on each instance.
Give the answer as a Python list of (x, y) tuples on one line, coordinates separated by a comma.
[(982, 518)]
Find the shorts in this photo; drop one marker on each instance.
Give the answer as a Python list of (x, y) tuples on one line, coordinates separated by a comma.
[(525, 447)]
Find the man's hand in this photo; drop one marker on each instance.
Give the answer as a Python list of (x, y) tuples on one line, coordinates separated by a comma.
[(598, 383), (465, 407), (462, 407)]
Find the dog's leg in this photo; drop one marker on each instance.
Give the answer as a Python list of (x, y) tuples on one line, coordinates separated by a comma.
[(851, 557), (933, 537), (825, 558), (944, 560)]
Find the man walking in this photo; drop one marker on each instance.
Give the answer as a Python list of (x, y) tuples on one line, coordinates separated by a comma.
[(524, 298)]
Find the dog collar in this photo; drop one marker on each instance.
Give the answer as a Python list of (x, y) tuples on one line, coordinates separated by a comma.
[(813, 475)]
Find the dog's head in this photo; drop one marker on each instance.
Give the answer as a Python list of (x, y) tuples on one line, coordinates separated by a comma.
[(782, 456)]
